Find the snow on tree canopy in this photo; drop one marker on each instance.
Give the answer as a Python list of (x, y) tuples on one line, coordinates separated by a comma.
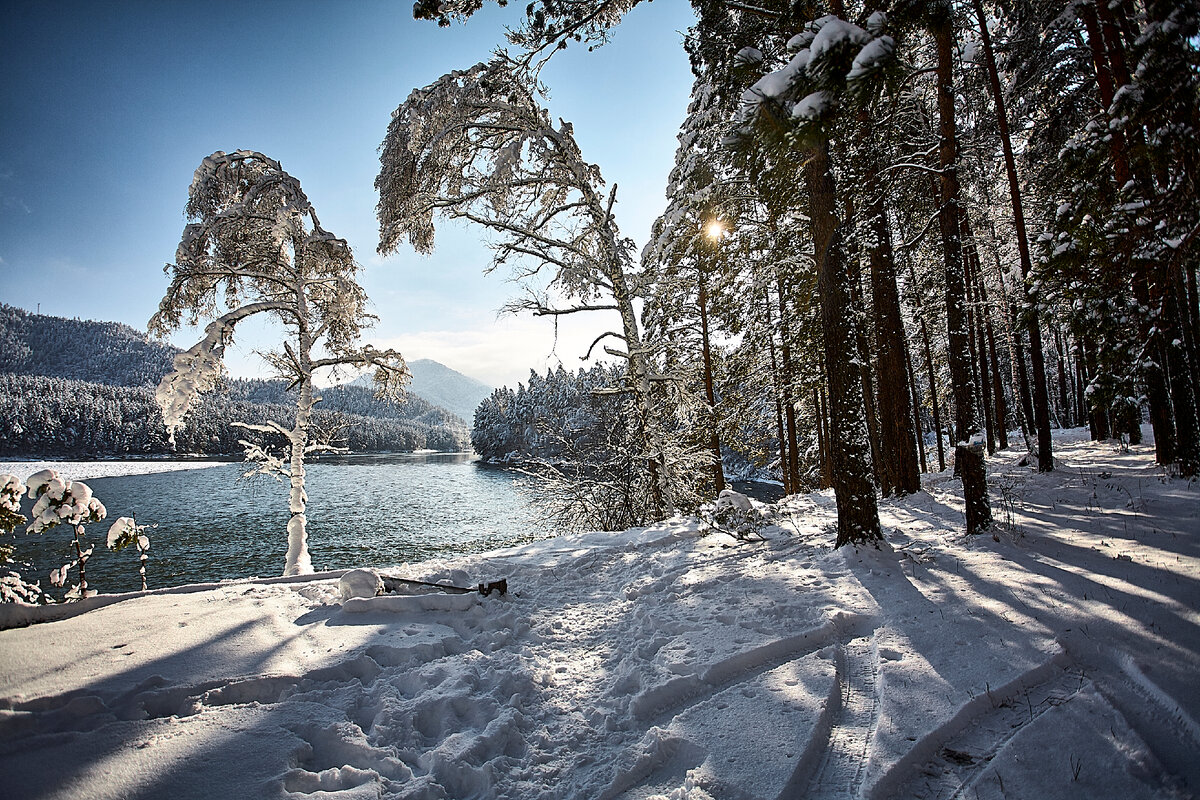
[(813, 105), (873, 54), (834, 33), (254, 245)]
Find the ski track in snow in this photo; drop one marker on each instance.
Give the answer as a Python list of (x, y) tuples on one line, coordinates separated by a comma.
[(1056, 662)]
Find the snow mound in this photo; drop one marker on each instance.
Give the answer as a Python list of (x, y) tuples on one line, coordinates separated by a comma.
[(359, 583)]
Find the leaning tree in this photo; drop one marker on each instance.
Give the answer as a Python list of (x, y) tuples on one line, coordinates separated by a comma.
[(477, 145), (254, 245)]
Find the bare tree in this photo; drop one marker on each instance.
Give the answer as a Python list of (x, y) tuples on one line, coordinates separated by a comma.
[(254, 245)]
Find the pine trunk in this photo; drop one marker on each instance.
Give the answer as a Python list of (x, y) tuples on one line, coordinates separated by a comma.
[(916, 406), (894, 407), (1041, 393), (714, 441), (854, 489), (968, 459)]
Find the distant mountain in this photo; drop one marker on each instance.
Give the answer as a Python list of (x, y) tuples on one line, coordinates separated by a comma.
[(438, 384), (82, 386)]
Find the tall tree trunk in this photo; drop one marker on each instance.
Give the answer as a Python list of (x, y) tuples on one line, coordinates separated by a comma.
[(897, 440), (916, 407), (1183, 391), (1041, 394), (822, 438), (827, 453), (777, 383), (1000, 405), (854, 488), (979, 356), (298, 561), (885, 479), (789, 401), (968, 456), (933, 396), (1145, 291), (1064, 396), (714, 441)]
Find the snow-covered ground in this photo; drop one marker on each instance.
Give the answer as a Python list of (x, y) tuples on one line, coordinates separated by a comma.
[(89, 470), (1059, 659)]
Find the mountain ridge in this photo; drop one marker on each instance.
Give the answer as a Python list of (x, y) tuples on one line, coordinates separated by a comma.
[(442, 386)]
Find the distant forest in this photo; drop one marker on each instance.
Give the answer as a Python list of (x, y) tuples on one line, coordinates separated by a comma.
[(86, 388)]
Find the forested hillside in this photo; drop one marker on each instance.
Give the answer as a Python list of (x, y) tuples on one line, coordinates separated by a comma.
[(80, 387), (82, 350)]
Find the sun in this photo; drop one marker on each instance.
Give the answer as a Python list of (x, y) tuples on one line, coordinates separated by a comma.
[(715, 229)]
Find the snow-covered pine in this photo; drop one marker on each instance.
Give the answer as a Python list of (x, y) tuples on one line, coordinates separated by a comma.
[(834, 67), (254, 245), (549, 26), (477, 145)]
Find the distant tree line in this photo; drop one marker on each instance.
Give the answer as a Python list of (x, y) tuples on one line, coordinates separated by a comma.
[(62, 417), (83, 350), (555, 417), (71, 387)]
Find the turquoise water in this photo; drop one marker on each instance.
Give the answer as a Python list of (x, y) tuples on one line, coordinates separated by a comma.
[(363, 510)]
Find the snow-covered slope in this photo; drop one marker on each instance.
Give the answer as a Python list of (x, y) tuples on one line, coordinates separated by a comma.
[(1058, 659)]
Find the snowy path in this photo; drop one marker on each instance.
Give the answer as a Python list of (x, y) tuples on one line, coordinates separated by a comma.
[(1059, 661)]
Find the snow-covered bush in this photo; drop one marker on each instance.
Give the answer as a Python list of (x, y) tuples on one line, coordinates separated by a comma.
[(124, 532), (734, 513), (11, 490), (59, 501)]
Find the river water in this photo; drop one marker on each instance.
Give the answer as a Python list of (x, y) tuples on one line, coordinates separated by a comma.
[(368, 510)]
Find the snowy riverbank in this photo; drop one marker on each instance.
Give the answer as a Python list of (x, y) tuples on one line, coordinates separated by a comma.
[(1060, 661), (90, 470)]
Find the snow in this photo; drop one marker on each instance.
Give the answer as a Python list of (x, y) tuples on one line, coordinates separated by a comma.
[(874, 53), (813, 105), (836, 33), (89, 470), (1055, 660)]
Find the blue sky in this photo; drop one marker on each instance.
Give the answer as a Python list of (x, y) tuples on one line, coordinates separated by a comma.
[(107, 108)]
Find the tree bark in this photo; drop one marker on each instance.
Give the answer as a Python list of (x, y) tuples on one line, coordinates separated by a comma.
[(298, 561), (854, 488), (1146, 290), (967, 458), (777, 383), (789, 404), (894, 407), (916, 407), (714, 441)]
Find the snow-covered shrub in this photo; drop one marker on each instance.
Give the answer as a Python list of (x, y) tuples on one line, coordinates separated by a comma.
[(59, 501), (11, 490), (14, 589), (735, 514), (124, 532)]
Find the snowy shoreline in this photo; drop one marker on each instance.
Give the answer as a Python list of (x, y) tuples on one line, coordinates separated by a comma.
[(1056, 661), (114, 468)]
